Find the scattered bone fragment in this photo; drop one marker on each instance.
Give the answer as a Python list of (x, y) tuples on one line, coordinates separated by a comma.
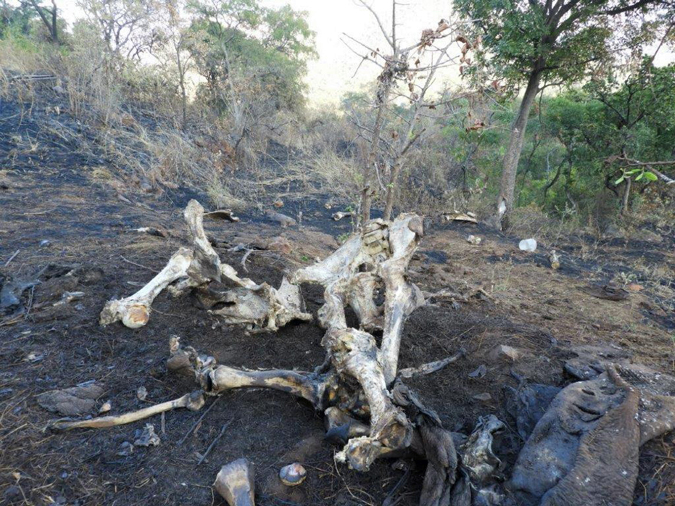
[(157, 232), (69, 297), (75, 401), (340, 214), (105, 407), (554, 258), (222, 214), (142, 393), (529, 245), (281, 219), (474, 239), (146, 436), (504, 352), (478, 459), (193, 402), (430, 367), (468, 217), (292, 475), (235, 483)]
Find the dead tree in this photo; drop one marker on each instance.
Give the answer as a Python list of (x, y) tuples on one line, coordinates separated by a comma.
[(402, 66)]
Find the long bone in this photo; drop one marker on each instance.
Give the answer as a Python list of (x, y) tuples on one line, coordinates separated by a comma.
[(259, 306), (402, 297), (354, 355), (193, 401)]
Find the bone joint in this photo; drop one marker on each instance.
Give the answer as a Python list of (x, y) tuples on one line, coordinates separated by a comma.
[(261, 307)]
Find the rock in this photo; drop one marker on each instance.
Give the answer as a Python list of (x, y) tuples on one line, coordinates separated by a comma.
[(146, 436), (634, 287), (613, 232), (528, 245), (278, 203), (647, 236), (126, 449), (292, 474), (474, 239), (142, 393), (45, 243), (484, 397), (502, 352), (107, 406), (75, 401), (280, 245), (479, 372)]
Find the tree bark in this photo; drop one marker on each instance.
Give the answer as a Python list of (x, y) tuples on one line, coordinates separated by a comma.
[(510, 170)]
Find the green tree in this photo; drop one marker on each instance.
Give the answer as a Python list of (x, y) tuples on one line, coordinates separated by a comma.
[(544, 42)]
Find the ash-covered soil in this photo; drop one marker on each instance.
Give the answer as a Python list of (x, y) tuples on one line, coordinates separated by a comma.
[(62, 209)]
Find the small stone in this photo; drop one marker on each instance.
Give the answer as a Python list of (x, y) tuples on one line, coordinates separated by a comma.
[(126, 449), (107, 406), (45, 243), (484, 397), (474, 239), (11, 493), (278, 203), (479, 372), (292, 474), (142, 393), (280, 245), (502, 351), (634, 287)]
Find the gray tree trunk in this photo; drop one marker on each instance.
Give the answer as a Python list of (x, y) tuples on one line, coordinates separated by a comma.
[(508, 183)]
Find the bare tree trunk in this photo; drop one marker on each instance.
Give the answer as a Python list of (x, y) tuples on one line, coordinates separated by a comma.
[(391, 190), (626, 197), (51, 25), (181, 83), (510, 170), (366, 195)]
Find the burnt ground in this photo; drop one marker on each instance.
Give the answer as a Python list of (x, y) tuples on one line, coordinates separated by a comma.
[(51, 190)]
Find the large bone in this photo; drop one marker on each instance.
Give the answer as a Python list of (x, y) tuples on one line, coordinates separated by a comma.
[(235, 483), (134, 311), (193, 402), (215, 380), (262, 308), (402, 297), (354, 355), (349, 277)]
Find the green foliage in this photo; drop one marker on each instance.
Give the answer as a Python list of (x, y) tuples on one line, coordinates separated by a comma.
[(266, 49)]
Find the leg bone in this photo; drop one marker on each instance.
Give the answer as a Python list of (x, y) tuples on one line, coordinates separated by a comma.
[(193, 402)]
